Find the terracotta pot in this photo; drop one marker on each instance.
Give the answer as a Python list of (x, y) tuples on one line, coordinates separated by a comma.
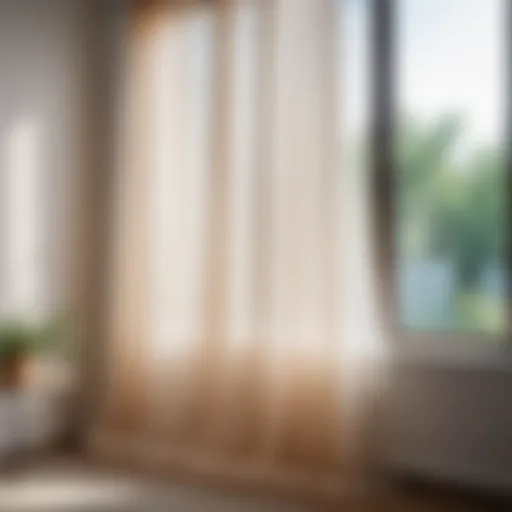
[(12, 370)]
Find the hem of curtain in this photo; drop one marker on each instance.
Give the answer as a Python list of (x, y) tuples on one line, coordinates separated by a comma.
[(133, 452)]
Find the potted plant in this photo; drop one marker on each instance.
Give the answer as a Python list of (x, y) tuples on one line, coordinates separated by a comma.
[(20, 341), (16, 340)]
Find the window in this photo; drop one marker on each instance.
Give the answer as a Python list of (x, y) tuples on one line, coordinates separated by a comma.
[(440, 142)]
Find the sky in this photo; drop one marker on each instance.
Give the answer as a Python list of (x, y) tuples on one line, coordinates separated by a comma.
[(450, 57)]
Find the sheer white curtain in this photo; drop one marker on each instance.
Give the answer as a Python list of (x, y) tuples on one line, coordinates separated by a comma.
[(225, 317)]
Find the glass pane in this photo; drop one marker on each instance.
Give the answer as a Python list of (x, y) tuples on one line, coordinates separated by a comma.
[(450, 133)]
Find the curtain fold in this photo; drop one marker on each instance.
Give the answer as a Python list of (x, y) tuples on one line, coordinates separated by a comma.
[(128, 371), (223, 331)]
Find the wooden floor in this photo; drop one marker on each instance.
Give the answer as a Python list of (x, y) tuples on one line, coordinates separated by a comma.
[(66, 485)]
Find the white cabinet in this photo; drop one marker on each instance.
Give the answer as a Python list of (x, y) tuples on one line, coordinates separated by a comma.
[(29, 420)]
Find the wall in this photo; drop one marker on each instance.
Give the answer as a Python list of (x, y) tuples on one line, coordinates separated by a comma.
[(42, 105), (48, 77), (451, 422)]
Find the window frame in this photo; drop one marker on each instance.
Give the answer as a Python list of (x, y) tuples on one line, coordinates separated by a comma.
[(460, 346)]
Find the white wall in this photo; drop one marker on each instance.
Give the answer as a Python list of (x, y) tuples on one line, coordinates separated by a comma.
[(42, 98), (47, 92)]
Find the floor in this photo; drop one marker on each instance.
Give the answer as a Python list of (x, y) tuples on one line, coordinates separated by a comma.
[(69, 486)]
